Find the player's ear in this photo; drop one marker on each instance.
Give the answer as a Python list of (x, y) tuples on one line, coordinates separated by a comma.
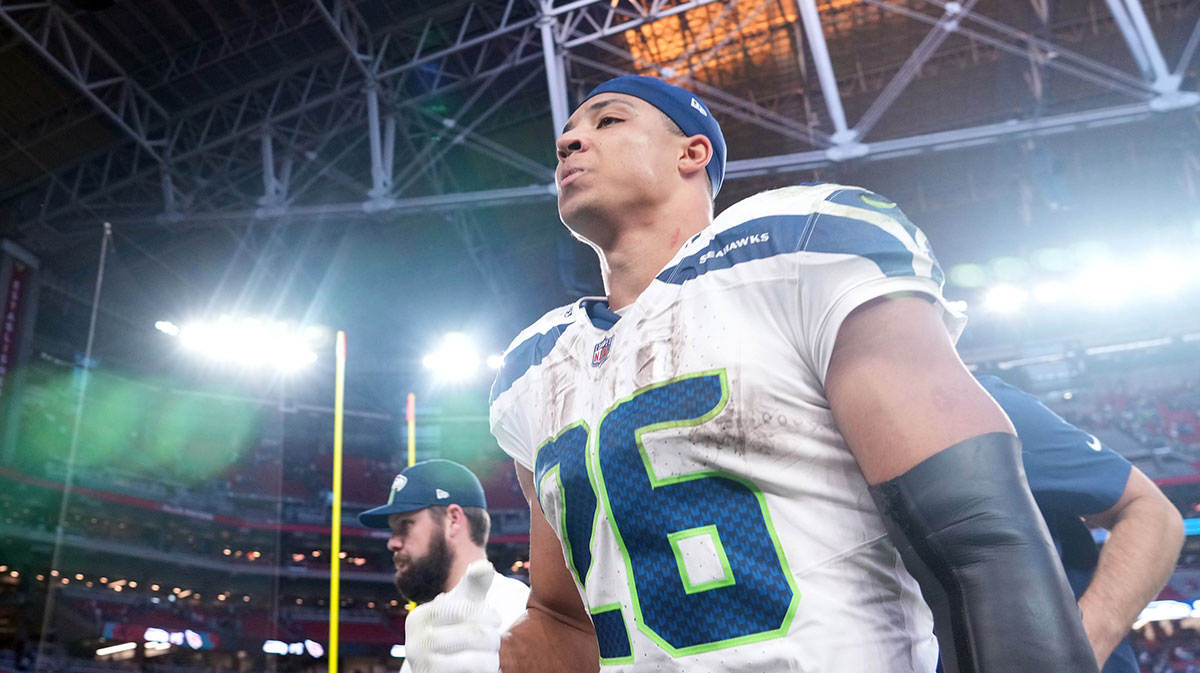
[(697, 152), (456, 519)]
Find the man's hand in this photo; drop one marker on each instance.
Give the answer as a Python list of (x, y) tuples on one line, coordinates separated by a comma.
[(457, 632)]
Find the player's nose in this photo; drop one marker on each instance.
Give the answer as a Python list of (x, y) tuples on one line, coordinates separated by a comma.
[(568, 143)]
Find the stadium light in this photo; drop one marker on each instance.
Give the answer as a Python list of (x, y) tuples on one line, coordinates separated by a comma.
[(113, 649), (167, 327), (1090, 275), (1163, 275), (1105, 284), (249, 342), (1005, 298), (1051, 292), (457, 359)]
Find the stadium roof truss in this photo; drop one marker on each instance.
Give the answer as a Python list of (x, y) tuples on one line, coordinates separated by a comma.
[(319, 108)]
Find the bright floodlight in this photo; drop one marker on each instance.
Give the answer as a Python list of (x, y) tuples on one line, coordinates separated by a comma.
[(249, 342), (1051, 292), (1163, 275), (1005, 299), (456, 358), (167, 327), (1104, 283)]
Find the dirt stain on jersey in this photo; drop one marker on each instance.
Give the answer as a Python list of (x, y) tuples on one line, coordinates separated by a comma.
[(658, 349)]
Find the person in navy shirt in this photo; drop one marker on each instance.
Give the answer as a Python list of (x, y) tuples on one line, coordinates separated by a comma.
[(1079, 482)]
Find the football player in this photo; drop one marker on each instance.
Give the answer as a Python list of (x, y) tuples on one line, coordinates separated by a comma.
[(759, 450)]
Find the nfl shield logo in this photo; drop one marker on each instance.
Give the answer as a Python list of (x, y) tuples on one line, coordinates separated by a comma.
[(600, 352)]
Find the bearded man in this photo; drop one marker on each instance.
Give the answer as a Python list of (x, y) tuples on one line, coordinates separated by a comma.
[(438, 516)]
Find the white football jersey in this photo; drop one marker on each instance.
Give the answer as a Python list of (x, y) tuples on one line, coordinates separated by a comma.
[(687, 458)]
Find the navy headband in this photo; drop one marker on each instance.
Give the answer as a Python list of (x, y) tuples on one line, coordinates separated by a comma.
[(682, 107)]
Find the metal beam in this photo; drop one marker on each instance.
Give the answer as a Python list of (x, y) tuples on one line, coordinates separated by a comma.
[(76, 56), (267, 102), (1103, 70), (381, 173), (46, 127), (946, 141), (716, 48), (275, 186), (422, 162), (329, 170), (416, 204), (189, 61), (351, 31), (717, 20), (1148, 44), (1189, 50), (1068, 62), (99, 176), (724, 103), (556, 76), (843, 137), (1125, 25), (470, 231), (506, 26), (203, 131), (934, 39), (493, 149), (581, 27), (205, 138)]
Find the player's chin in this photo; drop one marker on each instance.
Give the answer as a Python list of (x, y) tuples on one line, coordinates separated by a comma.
[(571, 207), (566, 196)]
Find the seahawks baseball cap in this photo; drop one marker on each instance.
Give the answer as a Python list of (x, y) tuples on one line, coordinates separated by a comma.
[(688, 112), (428, 483)]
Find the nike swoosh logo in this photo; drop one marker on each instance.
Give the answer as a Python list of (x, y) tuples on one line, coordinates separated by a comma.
[(1094, 443)]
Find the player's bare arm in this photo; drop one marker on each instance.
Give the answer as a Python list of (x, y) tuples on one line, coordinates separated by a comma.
[(556, 634), (1145, 537), (945, 470), (919, 397)]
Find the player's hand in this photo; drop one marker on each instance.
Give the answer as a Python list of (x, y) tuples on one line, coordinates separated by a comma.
[(457, 632)]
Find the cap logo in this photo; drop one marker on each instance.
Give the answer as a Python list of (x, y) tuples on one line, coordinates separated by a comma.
[(397, 484), (442, 495), (700, 108)]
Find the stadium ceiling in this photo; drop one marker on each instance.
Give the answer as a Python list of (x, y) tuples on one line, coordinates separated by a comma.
[(237, 117)]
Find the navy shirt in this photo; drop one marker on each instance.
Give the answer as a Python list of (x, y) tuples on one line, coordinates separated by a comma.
[(1071, 473)]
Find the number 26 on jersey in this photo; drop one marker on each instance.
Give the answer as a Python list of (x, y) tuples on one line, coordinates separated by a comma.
[(705, 568)]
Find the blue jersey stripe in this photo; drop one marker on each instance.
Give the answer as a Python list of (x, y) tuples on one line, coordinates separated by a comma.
[(755, 239), (526, 355), (782, 234), (861, 198), (850, 236)]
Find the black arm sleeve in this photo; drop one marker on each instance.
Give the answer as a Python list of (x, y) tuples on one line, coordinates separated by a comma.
[(968, 530)]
